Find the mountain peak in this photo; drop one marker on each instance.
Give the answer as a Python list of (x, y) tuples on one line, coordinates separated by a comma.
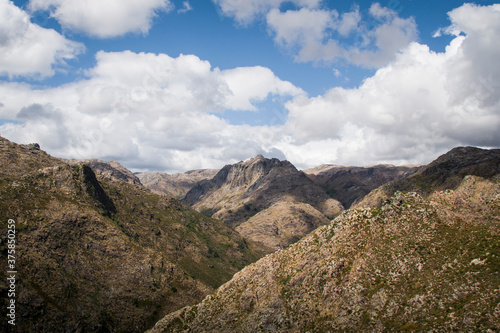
[(239, 191), (258, 157)]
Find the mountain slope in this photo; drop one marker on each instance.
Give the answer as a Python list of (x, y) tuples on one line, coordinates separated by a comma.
[(413, 264), (101, 255), (282, 224), (350, 184), (446, 172)]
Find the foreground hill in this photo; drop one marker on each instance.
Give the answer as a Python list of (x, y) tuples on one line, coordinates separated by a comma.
[(98, 254), (261, 197), (413, 264), (176, 185), (446, 172), (350, 184)]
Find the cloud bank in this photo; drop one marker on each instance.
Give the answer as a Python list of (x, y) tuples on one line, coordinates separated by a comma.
[(161, 112), (165, 113)]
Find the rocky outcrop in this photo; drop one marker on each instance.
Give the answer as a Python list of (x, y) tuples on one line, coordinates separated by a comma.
[(95, 253), (412, 264), (350, 184), (111, 170), (176, 185)]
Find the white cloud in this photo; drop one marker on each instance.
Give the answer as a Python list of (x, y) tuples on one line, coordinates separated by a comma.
[(349, 22), (318, 35), (245, 11), (27, 49), (249, 85), (389, 36), (413, 109), (186, 7), (300, 26), (161, 112), (103, 19)]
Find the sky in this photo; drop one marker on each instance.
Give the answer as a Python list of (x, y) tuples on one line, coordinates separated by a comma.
[(177, 85)]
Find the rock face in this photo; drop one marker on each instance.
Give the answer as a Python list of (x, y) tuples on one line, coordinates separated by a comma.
[(446, 172), (176, 185), (350, 184), (100, 253), (240, 193), (412, 264)]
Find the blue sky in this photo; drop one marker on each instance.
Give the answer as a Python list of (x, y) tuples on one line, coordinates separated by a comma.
[(205, 32), (175, 85)]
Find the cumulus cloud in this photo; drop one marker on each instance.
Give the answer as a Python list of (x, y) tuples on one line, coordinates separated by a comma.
[(160, 113), (103, 19), (320, 34), (27, 49), (250, 85), (414, 108)]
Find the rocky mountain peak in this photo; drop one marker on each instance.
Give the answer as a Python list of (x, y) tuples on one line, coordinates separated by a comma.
[(250, 171), (268, 200), (349, 184)]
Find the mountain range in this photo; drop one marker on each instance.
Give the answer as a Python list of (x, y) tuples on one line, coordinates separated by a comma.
[(255, 246), (423, 258), (271, 202)]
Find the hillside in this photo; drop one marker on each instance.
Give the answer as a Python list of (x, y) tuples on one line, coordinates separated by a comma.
[(349, 184), (177, 184), (98, 254), (413, 264), (240, 195)]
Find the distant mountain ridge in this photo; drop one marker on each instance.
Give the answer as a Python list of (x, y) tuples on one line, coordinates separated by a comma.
[(176, 185), (349, 184), (240, 194), (446, 172)]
